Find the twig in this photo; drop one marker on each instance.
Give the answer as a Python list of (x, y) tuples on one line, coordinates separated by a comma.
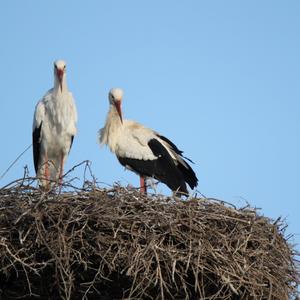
[(13, 163)]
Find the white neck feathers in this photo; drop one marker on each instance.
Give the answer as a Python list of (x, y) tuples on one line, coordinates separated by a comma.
[(110, 132)]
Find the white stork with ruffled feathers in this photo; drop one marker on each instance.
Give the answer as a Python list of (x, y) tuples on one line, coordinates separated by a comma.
[(54, 127), (145, 151)]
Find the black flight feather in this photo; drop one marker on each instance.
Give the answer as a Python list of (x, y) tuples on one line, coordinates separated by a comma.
[(72, 139), (187, 172), (36, 143), (174, 147)]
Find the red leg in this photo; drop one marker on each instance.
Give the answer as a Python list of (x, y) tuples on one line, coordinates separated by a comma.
[(61, 170), (143, 187)]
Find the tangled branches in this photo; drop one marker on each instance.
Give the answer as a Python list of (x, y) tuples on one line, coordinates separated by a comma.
[(118, 244)]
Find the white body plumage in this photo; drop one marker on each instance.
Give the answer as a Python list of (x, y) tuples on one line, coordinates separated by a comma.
[(127, 139)]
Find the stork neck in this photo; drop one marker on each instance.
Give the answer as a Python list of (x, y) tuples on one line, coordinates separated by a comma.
[(64, 87), (112, 129), (113, 115)]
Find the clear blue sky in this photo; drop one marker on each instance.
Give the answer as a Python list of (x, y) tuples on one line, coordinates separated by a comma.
[(219, 78)]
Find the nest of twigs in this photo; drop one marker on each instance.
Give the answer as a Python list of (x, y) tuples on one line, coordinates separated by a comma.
[(116, 243)]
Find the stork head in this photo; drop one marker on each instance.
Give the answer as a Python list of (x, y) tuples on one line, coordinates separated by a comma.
[(59, 71), (115, 98)]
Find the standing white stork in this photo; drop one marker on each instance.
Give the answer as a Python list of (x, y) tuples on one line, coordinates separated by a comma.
[(145, 151), (54, 127)]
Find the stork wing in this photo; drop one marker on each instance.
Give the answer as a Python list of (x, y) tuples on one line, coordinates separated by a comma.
[(36, 133), (73, 118), (73, 110)]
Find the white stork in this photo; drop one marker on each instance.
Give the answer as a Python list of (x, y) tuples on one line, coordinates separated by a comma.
[(54, 127), (145, 151)]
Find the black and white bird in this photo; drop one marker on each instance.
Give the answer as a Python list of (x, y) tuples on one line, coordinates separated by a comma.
[(145, 151), (54, 127)]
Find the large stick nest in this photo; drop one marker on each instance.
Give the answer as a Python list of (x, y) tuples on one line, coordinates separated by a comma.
[(118, 244)]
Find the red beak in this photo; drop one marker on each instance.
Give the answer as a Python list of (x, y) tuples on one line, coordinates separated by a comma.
[(118, 107), (60, 74)]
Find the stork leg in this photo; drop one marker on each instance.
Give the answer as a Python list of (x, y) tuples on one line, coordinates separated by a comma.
[(61, 170), (143, 187)]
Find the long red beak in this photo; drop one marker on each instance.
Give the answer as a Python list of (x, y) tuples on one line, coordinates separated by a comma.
[(60, 74), (118, 107)]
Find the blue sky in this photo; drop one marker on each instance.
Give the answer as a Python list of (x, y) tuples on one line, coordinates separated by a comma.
[(219, 78)]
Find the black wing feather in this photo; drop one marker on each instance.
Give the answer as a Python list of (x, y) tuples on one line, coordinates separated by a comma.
[(188, 174), (174, 147), (72, 139), (171, 144), (36, 135)]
